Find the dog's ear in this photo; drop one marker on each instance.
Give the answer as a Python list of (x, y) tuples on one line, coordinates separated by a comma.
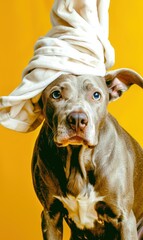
[(118, 81)]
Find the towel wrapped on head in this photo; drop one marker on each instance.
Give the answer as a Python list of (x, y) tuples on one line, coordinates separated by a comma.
[(77, 44)]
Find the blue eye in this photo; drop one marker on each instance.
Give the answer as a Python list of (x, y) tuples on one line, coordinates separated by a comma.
[(97, 96), (56, 94)]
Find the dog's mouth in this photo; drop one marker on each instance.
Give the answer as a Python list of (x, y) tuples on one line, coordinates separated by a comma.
[(74, 140)]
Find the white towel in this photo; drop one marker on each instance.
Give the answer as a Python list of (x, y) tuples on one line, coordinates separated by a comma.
[(77, 44)]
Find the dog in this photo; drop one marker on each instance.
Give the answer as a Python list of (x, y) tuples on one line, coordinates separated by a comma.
[(86, 168)]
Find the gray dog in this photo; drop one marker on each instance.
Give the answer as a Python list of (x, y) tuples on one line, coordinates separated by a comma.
[(86, 168)]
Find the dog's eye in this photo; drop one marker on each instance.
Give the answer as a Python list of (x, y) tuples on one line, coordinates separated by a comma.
[(56, 94), (97, 96)]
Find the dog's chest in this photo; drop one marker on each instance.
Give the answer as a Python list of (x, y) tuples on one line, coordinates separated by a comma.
[(81, 209), (80, 203)]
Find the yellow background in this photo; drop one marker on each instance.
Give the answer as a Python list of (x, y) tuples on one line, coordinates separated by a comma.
[(21, 24)]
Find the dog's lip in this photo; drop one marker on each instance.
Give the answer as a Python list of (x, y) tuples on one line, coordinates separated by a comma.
[(74, 140)]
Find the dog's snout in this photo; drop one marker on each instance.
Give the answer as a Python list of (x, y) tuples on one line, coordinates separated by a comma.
[(77, 120)]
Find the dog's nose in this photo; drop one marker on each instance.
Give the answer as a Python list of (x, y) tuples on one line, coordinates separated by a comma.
[(77, 120)]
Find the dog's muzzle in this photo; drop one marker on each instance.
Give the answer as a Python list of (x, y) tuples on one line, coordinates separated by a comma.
[(76, 130)]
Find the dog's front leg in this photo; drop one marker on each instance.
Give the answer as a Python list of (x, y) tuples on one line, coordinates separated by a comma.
[(128, 228), (52, 228)]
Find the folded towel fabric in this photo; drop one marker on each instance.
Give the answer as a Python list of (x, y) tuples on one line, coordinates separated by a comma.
[(77, 44)]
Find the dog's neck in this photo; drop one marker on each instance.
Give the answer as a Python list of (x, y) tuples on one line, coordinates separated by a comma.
[(78, 168)]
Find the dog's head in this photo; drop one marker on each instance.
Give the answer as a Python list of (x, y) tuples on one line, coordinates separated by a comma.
[(75, 107)]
